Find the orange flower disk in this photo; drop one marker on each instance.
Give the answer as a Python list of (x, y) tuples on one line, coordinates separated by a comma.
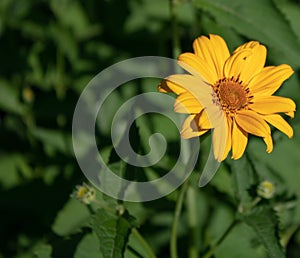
[(231, 94)]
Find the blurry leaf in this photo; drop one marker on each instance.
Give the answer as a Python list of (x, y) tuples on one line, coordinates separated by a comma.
[(241, 242), (43, 251), (13, 12), (139, 249), (291, 11), (50, 173), (143, 11), (284, 161), (265, 223), (291, 89), (243, 178), (113, 232), (8, 172), (35, 75), (65, 41), (258, 20), (108, 110), (88, 247), (54, 140), (13, 169), (222, 181), (71, 218), (72, 15), (33, 30), (9, 99)]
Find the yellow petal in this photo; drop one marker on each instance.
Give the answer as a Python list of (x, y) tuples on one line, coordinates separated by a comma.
[(203, 94), (219, 139), (269, 142), (169, 86), (203, 121), (197, 67), (278, 122), (250, 44), (270, 79), (239, 141), (186, 103), (245, 63), (195, 85), (190, 127), (229, 138), (268, 105), (252, 123), (290, 114), (213, 51)]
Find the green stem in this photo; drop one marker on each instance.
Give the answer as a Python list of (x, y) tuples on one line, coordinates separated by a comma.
[(178, 208), (143, 243), (175, 35), (221, 239), (191, 200)]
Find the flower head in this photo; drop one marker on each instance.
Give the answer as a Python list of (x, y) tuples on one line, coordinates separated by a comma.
[(84, 193), (266, 189), (231, 94)]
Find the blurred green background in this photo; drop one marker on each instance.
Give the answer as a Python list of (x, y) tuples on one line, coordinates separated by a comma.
[(50, 50)]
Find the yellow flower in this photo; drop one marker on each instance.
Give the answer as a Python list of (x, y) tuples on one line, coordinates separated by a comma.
[(231, 94)]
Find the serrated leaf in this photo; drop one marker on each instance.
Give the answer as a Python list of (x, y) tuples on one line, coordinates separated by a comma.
[(71, 218), (264, 222), (258, 20), (113, 232), (88, 247)]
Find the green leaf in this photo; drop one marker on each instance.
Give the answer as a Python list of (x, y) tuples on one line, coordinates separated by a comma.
[(54, 140), (113, 232), (14, 169), (264, 222), (222, 181), (9, 99), (88, 247), (72, 15), (291, 11), (43, 251), (236, 246), (283, 162), (71, 218), (258, 20), (243, 178)]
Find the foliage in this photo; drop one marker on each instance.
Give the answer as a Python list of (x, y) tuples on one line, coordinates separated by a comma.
[(50, 50)]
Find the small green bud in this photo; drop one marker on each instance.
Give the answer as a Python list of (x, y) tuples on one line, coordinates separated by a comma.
[(84, 193), (266, 189)]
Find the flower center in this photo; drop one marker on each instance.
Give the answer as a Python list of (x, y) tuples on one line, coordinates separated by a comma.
[(232, 95)]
